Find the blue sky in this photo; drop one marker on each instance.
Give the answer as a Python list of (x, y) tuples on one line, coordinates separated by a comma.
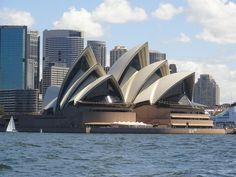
[(197, 35)]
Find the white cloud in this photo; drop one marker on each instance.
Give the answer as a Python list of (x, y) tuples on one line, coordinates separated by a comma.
[(183, 38), (112, 11), (167, 11), (80, 20), (15, 17), (217, 17), (118, 11), (223, 75)]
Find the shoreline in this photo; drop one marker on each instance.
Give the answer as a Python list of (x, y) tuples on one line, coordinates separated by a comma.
[(122, 130)]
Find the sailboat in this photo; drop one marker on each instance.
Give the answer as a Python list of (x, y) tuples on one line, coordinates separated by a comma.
[(11, 126)]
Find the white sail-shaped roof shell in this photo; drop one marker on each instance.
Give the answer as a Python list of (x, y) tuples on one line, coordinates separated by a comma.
[(51, 94), (155, 91), (92, 86), (75, 86), (51, 104), (76, 73), (130, 80), (141, 78), (120, 66)]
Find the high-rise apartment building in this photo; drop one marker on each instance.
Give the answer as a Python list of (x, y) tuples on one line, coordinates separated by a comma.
[(116, 53), (206, 91), (99, 50), (156, 56), (62, 46)]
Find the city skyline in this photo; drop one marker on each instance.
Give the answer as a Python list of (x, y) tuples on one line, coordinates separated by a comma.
[(190, 32)]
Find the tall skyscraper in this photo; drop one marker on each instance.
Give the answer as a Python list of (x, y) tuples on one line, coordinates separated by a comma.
[(99, 50), (19, 63), (33, 57), (156, 56), (206, 91), (62, 46), (60, 50), (116, 53), (19, 58), (13, 59)]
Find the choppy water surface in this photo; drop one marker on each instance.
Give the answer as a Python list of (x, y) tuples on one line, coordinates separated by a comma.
[(35, 154)]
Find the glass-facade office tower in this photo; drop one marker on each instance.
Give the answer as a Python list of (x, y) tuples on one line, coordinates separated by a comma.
[(62, 46), (206, 91), (19, 58), (116, 53), (13, 59), (156, 56), (99, 50), (19, 65)]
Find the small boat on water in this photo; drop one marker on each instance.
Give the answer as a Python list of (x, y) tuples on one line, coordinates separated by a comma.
[(11, 126)]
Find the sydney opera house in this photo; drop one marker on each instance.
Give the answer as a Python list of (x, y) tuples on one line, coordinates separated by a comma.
[(132, 91)]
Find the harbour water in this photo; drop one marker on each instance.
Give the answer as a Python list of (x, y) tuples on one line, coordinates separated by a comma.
[(42, 154)]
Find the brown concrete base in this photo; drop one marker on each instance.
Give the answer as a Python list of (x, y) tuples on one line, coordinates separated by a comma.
[(158, 130), (126, 130)]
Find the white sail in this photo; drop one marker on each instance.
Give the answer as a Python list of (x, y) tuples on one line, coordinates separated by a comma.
[(11, 126)]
